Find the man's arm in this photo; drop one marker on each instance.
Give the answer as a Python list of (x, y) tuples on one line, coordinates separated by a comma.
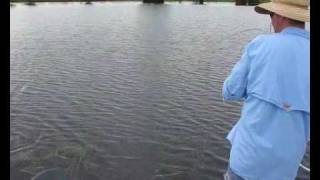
[(235, 86)]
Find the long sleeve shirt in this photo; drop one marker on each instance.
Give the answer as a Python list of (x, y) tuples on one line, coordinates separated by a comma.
[(273, 78)]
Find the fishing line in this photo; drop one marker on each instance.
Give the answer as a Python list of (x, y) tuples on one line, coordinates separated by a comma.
[(304, 167), (270, 27)]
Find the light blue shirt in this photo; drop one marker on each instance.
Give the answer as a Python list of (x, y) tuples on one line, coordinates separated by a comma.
[(273, 79)]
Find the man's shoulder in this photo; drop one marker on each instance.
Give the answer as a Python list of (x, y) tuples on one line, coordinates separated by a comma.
[(265, 41), (265, 38)]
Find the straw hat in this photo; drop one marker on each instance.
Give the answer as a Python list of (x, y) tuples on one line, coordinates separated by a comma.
[(292, 9)]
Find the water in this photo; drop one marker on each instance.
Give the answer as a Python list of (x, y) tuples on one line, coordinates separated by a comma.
[(125, 90)]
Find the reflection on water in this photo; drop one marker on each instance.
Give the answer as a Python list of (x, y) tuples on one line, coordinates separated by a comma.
[(124, 90)]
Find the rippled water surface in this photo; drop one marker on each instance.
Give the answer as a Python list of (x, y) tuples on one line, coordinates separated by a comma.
[(125, 91)]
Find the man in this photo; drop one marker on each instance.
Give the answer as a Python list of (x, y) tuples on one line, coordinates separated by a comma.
[(272, 77)]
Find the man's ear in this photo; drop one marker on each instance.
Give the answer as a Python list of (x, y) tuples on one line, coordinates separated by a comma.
[(284, 19)]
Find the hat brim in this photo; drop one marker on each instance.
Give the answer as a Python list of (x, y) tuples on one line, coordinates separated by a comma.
[(289, 11), (261, 10)]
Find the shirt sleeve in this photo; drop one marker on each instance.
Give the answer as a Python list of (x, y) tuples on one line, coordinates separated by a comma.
[(235, 86)]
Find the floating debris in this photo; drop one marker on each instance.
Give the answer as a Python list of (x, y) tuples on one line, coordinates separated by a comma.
[(50, 174), (26, 147)]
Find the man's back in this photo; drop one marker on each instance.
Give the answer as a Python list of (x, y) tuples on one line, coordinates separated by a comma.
[(280, 69), (269, 140)]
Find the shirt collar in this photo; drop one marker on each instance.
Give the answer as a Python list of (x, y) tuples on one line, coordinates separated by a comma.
[(296, 31)]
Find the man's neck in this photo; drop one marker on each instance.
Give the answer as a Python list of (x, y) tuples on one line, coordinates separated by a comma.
[(301, 26)]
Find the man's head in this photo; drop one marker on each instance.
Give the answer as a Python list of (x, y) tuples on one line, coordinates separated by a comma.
[(285, 13), (280, 22)]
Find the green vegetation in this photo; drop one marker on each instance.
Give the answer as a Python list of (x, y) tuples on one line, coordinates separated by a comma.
[(71, 159)]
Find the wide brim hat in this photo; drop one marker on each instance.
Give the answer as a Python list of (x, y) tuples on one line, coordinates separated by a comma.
[(292, 9)]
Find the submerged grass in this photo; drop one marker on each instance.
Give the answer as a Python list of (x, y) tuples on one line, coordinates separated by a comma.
[(71, 159)]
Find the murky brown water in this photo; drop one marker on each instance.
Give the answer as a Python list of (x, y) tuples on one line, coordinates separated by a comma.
[(125, 90)]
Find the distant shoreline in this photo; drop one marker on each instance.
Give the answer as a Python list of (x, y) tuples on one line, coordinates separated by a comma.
[(35, 1)]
